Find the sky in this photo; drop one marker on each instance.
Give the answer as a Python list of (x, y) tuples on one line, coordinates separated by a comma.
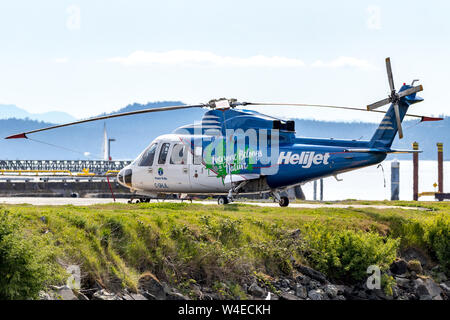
[(89, 57)]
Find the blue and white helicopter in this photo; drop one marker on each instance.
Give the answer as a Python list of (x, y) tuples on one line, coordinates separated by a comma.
[(233, 151)]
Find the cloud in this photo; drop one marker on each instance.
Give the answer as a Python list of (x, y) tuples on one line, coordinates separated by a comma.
[(344, 62), (61, 60), (374, 18), (203, 58)]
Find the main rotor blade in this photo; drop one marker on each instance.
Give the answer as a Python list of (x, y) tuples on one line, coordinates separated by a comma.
[(123, 114), (409, 91), (423, 118), (378, 104), (399, 123), (389, 74)]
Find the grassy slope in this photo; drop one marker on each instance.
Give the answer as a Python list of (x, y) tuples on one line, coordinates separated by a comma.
[(186, 243)]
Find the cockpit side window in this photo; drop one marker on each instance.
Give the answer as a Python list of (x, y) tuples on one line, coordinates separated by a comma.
[(146, 160), (163, 153), (178, 155)]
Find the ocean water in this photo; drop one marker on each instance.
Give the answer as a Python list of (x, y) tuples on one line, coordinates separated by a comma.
[(371, 184)]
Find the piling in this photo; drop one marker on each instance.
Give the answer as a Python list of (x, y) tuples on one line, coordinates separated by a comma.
[(395, 180), (440, 147), (415, 172), (321, 189), (315, 190)]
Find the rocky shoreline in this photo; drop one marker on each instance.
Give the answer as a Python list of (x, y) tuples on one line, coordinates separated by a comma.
[(410, 280)]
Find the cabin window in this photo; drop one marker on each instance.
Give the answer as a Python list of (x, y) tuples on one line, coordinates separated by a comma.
[(179, 154), (163, 153), (146, 160)]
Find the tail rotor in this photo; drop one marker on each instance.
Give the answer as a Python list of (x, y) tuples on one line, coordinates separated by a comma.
[(394, 97)]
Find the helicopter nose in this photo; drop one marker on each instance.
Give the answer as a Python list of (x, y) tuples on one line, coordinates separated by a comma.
[(124, 177)]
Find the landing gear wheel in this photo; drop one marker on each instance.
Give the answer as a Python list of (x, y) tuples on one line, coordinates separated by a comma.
[(284, 202), (222, 200)]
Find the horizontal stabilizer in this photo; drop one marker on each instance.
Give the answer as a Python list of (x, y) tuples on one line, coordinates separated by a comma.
[(405, 151), (376, 150)]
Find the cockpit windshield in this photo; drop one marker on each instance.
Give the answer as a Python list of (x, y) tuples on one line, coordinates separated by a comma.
[(147, 157)]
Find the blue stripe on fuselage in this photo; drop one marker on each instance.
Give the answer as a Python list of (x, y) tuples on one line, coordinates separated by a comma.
[(316, 162)]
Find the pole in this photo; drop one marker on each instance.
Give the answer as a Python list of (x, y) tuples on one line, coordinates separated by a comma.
[(315, 190), (440, 146), (415, 172), (109, 148), (395, 180), (110, 189), (321, 189)]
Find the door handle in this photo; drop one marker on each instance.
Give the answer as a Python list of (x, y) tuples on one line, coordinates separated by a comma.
[(185, 170), (150, 170)]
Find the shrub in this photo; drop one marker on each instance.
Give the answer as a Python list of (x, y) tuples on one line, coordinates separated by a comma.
[(23, 272), (431, 234), (227, 231), (437, 238), (345, 255)]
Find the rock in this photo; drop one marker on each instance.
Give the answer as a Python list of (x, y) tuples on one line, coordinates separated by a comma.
[(403, 282), (313, 284), (288, 296), (340, 297), (433, 288), (149, 284), (273, 296), (301, 292), (437, 298), (285, 283), (211, 296), (344, 290), (64, 293), (399, 266), (416, 254), (382, 295), (173, 295), (256, 290), (128, 297), (302, 279), (137, 296), (316, 275), (417, 282), (425, 297), (427, 287), (362, 295), (44, 296), (82, 296), (148, 295), (415, 266), (316, 294), (104, 295), (445, 286), (331, 290)]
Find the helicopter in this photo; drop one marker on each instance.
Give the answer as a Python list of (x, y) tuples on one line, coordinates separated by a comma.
[(234, 151)]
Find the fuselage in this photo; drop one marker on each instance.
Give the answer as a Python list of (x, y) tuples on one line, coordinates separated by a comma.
[(295, 163)]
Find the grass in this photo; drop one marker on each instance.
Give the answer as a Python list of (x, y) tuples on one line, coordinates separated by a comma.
[(221, 247)]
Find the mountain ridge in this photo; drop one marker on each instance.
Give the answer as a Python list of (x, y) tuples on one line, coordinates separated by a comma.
[(11, 111)]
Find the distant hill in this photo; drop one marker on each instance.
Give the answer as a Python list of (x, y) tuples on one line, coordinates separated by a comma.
[(134, 133), (9, 111)]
